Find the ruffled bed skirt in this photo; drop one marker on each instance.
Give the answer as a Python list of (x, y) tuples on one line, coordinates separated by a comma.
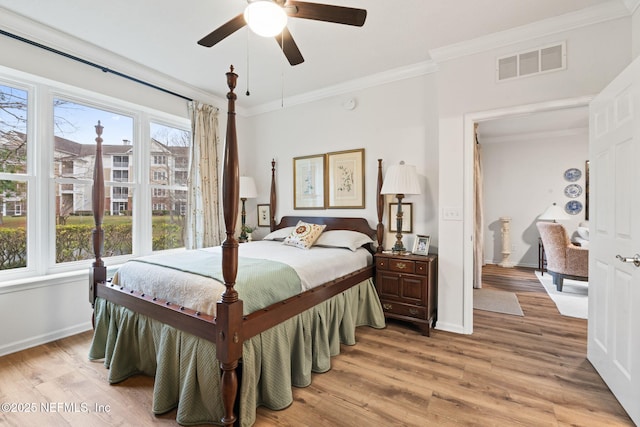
[(187, 374)]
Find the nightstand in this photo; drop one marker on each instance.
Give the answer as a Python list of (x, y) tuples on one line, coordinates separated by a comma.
[(407, 287)]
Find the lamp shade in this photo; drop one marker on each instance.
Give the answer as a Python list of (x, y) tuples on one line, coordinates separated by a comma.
[(265, 18), (401, 179), (553, 213), (247, 188)]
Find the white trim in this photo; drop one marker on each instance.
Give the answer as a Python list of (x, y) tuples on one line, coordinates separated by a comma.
[(468, 194), (558, 24), (520, 137), (632, 5), (390, 76), (44, 338)]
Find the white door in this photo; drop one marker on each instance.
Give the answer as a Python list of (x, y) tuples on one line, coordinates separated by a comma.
[(614, 228)]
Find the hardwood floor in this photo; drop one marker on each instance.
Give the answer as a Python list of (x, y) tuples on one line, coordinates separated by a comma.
[(512, 370)]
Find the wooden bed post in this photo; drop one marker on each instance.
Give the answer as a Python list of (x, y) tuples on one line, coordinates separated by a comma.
[(380, 206), (229, 310), (272, 197), (98, 272)]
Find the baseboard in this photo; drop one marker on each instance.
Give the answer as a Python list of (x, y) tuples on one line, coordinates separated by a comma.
[(43, 339), (449, 327)]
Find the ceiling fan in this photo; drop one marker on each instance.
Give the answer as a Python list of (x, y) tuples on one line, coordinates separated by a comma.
[(291, 8)]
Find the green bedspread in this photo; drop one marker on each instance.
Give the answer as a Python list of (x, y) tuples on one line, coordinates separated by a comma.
[(259, 282), (187, 375)]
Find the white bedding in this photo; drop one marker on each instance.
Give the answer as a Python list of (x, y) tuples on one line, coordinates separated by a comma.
[(314, 266)]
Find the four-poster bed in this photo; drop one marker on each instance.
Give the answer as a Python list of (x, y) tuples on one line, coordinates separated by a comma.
[(261, 352)]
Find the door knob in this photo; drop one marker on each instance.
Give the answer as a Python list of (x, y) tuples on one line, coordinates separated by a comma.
[(635, 260)]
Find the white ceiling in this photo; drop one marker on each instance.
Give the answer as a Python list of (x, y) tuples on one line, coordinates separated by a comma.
[(162, 35)]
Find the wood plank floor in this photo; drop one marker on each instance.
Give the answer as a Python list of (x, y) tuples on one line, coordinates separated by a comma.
[(512, 370)]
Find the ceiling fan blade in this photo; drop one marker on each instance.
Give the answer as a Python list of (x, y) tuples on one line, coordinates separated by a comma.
[(223, 31), (289, 47), (326, 12)]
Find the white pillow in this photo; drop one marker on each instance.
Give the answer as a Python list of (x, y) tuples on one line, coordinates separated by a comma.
[(304, 235), (343, 239), (279, 234)]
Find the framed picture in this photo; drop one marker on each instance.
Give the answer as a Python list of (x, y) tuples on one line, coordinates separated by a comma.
[(308, 182), (345, 179), (407, 217), (264, 216), (421, 245)]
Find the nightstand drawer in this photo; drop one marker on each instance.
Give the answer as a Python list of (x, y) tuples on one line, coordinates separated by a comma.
[(404, 309), (402, 265)]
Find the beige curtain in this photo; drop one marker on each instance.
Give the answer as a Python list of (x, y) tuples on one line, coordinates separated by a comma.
[(478, 246), (204, 210)]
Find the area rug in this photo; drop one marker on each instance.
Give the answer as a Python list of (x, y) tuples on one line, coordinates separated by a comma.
[(573, 301), (497, 301)]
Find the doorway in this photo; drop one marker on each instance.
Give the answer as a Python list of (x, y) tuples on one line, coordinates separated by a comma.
[(470, 121)]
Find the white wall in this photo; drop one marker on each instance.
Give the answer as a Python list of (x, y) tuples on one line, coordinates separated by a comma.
[(392, 122), (635, 33), (521, 179), (595, 55)]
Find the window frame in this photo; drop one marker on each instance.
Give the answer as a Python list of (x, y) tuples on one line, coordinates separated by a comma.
[(40, 181)]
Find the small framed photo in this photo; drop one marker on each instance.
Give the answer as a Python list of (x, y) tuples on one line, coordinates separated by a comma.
[(421, 245), (264, 216), (407, 217)]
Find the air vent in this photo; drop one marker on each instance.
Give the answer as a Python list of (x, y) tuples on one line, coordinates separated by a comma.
[(542, 60)]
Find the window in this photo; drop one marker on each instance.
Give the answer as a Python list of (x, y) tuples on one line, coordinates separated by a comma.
[(181, 177), (159, 160), (120, 193), (66, 118), (120, 176), (159, 176), (169, 199), (14, 177), (74, 155), (120, 161)]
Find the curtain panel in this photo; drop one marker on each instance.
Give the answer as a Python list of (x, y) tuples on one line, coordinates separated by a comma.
[(204, 210)]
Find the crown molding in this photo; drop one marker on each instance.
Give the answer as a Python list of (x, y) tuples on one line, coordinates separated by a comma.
[(39, 33), (603, 12), (632, 5), (393, 75)]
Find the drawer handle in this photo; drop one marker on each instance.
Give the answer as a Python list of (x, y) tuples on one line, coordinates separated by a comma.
[(401, 265), (387, 306), (413, 311)]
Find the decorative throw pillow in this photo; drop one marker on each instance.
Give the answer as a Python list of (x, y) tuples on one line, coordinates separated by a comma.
[(304, 235), (279, 234), (348, 239)]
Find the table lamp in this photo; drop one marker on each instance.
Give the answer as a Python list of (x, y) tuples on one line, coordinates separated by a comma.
[(553, 213), (247, 191), (400, 180)]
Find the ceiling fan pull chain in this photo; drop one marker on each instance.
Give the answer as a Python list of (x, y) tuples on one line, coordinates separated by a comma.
[(282, 73), (248, 44)]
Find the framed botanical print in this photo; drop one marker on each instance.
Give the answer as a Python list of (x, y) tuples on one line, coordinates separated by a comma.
[(308, 182), (345, 179), (264, 215)]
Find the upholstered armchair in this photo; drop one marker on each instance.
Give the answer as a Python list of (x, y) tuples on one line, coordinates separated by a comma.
[(564, 259)]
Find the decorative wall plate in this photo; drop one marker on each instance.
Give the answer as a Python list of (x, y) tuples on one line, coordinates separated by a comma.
[(573, 207), (573, 190), (572, 174)]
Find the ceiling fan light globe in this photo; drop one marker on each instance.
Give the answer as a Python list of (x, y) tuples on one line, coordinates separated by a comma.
[(265, 18)]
